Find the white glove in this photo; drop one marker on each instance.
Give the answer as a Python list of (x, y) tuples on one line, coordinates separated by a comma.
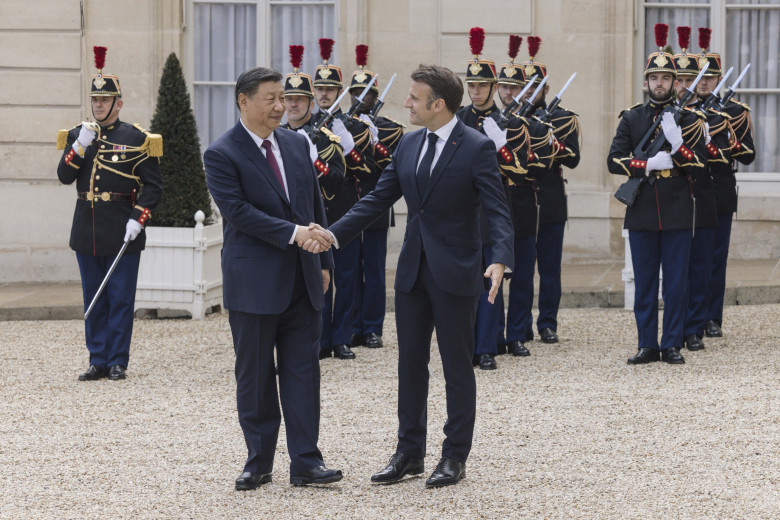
[(672, 131), (85, 138), (371, 127), (660, 161), (495, 134), (132, 229), (707, 137), (313, 155), (347, 142)]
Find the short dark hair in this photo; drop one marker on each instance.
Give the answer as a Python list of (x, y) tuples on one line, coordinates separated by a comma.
[(249, 80), (444, 84)]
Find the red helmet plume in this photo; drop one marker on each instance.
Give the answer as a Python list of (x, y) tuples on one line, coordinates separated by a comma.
[(684, 37), (704, 38), (514, 45), (326, 48), (533, 45), (296, 56), (100, 56), (476, 40), (361, 55), (661, 34)]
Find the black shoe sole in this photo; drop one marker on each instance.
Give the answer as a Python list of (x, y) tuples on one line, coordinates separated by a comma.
[(488, 367), (304, 481), (411, 473), (249, 487), (548, 340), (708, 335), (443, 483)]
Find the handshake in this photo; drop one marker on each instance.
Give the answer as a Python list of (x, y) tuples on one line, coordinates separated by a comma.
[(314, 239)]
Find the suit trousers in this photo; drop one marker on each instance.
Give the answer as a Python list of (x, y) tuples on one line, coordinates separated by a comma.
[(295, 334), (418, 313), (651, 250), (720, 254), (109, 327), (549, 251), (338, 314), (488, 326), (521, 290), (370, 288), (699, 275)]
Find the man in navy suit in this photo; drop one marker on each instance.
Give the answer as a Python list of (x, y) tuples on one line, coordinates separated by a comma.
[(448, 175), (263, 180)]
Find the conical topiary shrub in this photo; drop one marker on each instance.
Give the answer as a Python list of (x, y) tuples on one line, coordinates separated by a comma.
[(181, 164)]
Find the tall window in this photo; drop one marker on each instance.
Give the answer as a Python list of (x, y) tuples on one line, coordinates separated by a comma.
[(232, 36), (743, 31)]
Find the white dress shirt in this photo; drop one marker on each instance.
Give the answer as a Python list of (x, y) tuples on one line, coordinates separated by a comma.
[(278, 156), (443, 134)]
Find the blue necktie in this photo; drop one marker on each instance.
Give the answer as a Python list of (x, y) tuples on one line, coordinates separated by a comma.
[(424, 170)]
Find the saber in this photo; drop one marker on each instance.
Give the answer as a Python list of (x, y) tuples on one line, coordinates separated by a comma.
[(359, 99), (557, 101), (528, 85), (529, 102), (329, 113), (560, 94), (733, 88), (713, 97), (381, 101), (105, 280), (692, 89)]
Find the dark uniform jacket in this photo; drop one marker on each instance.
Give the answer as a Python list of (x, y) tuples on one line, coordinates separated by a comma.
[(359, 166), (734, 140), (665, 199), (513, 167), (330, 164), (550, 183), (390, 132), (117, 179)]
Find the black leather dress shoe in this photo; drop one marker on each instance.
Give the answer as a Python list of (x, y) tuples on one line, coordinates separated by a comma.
[(518, 348), (247, 480), (487, 362), (358, 340), (399, 466), (325, 353), (712, 329), (93, 373), (116, 373), (343, 352), (672, 356), (448, 472), (373, 340), (693, 342), (316, 475), (645, 355), (548, 336), (529, 336)]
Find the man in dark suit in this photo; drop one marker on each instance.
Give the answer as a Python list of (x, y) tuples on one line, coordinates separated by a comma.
[(264, 182), (448, 175)]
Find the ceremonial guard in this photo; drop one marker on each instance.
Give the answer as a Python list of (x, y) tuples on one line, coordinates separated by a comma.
[(481, 82), (117, 172), (551, 193), (385, 133), (327, 154), (739, 133), (521, 195), (355, 138), (699, 265), (660, 212)]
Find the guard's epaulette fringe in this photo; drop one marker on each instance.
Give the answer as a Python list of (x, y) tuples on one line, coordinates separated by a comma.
[(740, 103), (62, 139), (627, 109), (397, 122), (569, 111), (333, 137), (153, 143)]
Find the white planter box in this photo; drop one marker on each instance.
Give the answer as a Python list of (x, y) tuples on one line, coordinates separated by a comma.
[(180, 268)]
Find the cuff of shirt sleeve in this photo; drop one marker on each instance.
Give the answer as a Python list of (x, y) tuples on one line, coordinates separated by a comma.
[(335, 240), (295, 232)]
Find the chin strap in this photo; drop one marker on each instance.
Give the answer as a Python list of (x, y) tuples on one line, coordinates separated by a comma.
[(109, 111)]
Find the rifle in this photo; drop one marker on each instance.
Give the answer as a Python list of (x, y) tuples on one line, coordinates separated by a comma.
[(529, 103), (640, 152), (557, 100), (713, 97), (374, 112), (733, 88), (359, 100), (329, 113), (502, 117)]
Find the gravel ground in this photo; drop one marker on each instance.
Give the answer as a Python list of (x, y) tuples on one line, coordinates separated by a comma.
[(570, 432)]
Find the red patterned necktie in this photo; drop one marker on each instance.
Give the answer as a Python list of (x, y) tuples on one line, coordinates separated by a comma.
[(271, 158)]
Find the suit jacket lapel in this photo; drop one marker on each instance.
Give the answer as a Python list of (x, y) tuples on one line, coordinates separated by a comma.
[(416, 144), (250, 149), (285, 146), (446, 154)]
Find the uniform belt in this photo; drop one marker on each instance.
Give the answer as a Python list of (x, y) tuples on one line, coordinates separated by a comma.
[(674, 172), (105, 196)]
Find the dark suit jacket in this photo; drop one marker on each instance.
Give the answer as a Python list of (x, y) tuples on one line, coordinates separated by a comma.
[(444, 221), (258, 264)]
